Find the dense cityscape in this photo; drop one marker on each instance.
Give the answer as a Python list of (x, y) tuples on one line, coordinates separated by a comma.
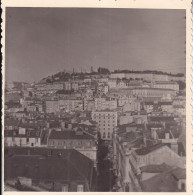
[(96, 130)]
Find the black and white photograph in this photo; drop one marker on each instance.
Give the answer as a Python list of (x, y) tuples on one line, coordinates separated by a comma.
[(95, 100)]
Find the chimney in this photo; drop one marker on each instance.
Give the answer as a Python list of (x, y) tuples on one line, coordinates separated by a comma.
[(167, 135), (174, 147), (69, 126), (22, 131), (47, 124), (63, 125)]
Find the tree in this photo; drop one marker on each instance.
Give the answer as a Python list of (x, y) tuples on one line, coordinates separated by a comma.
[(48, 80), (30, 94), (182, 85), (103, 70)]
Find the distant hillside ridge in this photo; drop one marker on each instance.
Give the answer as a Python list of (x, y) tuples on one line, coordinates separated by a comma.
[(66, 76)]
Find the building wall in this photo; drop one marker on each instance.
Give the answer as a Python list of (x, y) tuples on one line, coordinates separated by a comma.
[(173, 86), (22, 141), (132, 106), (103, 104), (107, 121), (159, 156), (71, 104), (151, 92), (52, 106)]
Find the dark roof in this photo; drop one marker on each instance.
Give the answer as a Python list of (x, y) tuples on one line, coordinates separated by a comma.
[(29, 133), (161, 118), (166, 82), (162, 134), (11, 122), (125, 126), (146, 150), (155, 168), (165, 103), (179, 173), (64, 92), (24, 112), (68, 134), (149, 103), (154, 126), (164, 182), (12, 104), (63, 164)]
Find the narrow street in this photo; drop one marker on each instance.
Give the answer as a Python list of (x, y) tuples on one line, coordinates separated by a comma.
[(106, 177)]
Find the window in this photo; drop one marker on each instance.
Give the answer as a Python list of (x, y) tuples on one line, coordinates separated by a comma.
[(50, 153), (80, 188), (27, 139), (65, 188)]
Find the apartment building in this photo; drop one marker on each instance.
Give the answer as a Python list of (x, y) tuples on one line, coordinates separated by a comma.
[(23, 137), (107, 121), (52, 106), (153, 92), (103, 103), (49, 169), (166, 85), (151, 155), (74, 139)]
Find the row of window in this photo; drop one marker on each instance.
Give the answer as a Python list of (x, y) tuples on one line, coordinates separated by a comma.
[(13, 139), (69, 143), (107, 125), (105, 128), (108, 135), (80, 188)]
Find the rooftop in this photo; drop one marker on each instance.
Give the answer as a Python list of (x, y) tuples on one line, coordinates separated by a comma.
[(149, 149), (164, 182), (47, 164), (155, 168), (68, 134)]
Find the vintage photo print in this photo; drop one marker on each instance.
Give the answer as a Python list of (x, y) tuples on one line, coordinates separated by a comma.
[(96, 98)]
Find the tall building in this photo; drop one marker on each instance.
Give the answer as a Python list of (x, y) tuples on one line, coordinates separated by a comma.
[(107, 121)]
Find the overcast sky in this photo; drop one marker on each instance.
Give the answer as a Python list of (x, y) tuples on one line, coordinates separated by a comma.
[(44, 41)]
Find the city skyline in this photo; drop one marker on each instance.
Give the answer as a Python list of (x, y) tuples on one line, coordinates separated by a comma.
[(49, 40)]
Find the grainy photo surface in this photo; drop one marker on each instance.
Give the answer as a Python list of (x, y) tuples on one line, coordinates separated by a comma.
[(95, 100)]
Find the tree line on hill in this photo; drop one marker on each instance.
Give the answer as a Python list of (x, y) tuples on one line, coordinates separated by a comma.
[(65, 76)]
